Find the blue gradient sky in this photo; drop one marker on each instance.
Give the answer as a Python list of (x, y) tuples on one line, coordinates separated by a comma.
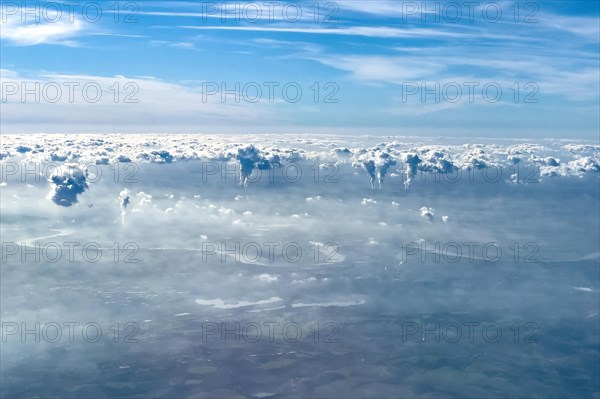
[(369, 56)]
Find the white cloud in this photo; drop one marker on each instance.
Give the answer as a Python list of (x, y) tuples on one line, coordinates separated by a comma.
[(118, 103), (51, 29), (366, 31), (66, 184)]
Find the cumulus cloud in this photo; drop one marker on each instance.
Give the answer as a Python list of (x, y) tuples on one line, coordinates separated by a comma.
[(586, 164), (411, 163), (124, 200), (250, 159), (427, 213), (157, 157), (376, 163), (434, 160), (144, 200), (476, 158), (67, 183)]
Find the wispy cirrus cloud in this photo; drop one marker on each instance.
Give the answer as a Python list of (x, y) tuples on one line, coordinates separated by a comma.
[(364, 31), (585, 27), (553, 76), (63, 102), (381, 68)]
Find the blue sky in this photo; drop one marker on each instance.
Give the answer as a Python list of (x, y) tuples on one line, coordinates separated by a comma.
[(381, 67)]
